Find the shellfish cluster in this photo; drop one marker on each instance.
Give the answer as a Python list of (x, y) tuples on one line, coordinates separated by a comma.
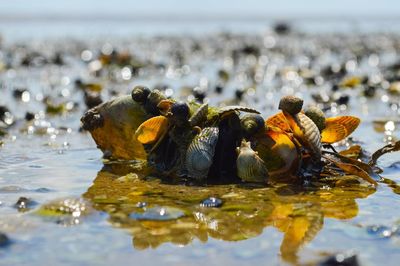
[(233, 144)]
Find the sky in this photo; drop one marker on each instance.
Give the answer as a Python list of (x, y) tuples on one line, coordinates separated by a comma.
[(201, 8)]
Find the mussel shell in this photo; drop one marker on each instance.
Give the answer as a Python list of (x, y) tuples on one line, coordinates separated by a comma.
[(112, 126), (165, 157), (200, 153), (233, 108), (223, 169)]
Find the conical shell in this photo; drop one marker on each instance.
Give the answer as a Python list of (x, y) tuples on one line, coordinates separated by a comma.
[(199, 156), (250, 167)]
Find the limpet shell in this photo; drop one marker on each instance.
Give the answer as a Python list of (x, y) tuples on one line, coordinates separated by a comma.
[(250, 167)]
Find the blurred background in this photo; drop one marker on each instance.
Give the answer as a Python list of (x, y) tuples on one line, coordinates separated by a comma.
[(25, 19)]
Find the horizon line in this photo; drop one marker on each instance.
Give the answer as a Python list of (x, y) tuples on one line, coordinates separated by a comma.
[(176, 17)]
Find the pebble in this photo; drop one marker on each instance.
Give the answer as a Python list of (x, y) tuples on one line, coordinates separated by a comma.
[(24, 204), (211, 202)]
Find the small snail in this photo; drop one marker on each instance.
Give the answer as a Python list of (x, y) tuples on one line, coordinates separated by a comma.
[(252, 124), (317, 116)]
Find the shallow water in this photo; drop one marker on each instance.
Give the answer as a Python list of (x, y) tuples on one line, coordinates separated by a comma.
[(139, 218)]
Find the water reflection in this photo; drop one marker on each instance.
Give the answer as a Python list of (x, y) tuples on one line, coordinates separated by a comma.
[(173, 213)]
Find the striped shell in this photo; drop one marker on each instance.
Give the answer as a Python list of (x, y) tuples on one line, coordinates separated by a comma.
[(232, 108), (199, 156), (199, 116), (250, 167), (311, 135)]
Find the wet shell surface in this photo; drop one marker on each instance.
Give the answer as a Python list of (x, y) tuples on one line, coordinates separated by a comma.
[(250, 167), (232, 108), (112, 126), (199, 156), (311, 134), (199, 116)]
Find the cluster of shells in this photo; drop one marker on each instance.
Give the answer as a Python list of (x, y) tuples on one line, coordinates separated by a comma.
[(227, 144)]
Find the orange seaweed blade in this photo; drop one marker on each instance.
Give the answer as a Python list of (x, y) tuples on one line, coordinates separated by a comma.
[(279, 120), (152, 129), (338, 128)]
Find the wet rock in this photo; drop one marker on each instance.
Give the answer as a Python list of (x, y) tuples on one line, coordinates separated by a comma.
[(3, 110), (158, 214), (199, 94), (219, 89), (58, 59), (239, 94), (12, 189), (369, 91), (382, 231), (24, 204), (68, 211), (341, 259), (42, 190), (251, 50), (2, 134), (141, 204), (282, 28), (223, 75), (18, 93), (92, 99), (6, 118), (343, 100), (29, 116), (211, 202), (335, 87), (4, 240)]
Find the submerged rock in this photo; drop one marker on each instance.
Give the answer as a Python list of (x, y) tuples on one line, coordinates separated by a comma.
[(158, 214), (4, 240), (341, 259), (68, 211), (382, 231), (24, 204)]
